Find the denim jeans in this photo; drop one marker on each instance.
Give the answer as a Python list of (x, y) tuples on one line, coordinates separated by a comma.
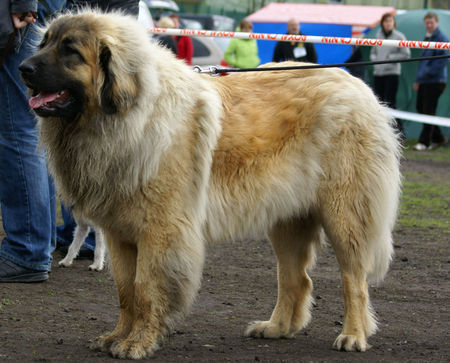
[(27, 192)]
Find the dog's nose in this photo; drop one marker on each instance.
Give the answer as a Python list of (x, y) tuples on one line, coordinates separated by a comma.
[(27, 68)]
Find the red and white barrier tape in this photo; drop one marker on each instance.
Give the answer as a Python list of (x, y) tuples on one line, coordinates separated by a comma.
[(419, 44)]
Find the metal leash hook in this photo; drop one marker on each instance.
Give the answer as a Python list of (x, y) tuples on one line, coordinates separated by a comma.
[(212, 71)]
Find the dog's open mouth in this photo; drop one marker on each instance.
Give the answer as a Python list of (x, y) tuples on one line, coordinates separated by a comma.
[(42, 101)]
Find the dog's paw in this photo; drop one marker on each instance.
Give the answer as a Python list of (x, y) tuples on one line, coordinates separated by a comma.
[(103, 342), (131, 349), (96, 266), (350, 343), (266, 329), (65, 262)]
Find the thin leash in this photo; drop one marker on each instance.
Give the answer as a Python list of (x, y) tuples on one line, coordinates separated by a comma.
[(215, 70)]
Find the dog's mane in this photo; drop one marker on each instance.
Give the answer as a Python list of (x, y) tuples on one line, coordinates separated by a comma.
[(138, 137)]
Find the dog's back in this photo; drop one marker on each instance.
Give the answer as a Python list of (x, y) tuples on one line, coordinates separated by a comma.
[(289, 141)]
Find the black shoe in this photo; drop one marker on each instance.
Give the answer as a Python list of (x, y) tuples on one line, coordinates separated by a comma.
[(10, 272), (436, 145)]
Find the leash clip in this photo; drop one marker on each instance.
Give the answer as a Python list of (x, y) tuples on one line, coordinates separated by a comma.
[(212, 71)]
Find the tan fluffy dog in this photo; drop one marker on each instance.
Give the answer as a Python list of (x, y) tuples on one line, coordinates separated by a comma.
[(162, 159)]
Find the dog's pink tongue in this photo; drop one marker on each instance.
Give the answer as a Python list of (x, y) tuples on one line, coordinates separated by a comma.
[(41, 98)]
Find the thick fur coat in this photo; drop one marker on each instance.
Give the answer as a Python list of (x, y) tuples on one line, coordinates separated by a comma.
[(163, 159)]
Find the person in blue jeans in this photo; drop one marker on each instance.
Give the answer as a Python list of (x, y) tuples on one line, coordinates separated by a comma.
[(26, 190)]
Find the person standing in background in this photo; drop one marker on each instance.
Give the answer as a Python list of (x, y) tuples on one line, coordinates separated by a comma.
[(242, 53), (430, 83), (386, 76), (27, 192), (294, 51), (355, 57), (184, 43), (165, 40)]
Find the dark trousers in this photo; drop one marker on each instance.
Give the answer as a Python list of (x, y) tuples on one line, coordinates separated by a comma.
[(385, 88), (427, 101)]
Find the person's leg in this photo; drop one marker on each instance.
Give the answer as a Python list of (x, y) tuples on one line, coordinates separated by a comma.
[(431, 135), (422, 106), (378, 87), (26, 190), (432, 92), (390, 97), (437, 137), (390, 90)]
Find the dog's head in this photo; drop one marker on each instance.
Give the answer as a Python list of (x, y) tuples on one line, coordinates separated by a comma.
[(83, 64)]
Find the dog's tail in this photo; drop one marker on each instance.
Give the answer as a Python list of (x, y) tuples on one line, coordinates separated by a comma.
[(384, 204)]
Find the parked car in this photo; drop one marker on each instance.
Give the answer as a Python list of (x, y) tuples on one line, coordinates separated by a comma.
[(159, 8), (208, 51), (211, 21), (190, 24)]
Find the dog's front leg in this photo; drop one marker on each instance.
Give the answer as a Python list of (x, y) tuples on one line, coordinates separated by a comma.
[(99, 252), (168, 273), (80, 234), (123, 260)]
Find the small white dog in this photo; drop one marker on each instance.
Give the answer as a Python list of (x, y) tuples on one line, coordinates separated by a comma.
[(80, 234)]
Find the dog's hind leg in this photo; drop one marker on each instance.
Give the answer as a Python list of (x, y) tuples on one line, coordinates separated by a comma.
[(294, 243), (123, 261), (99, 252), (359, 322), (79, 235), (346, 224)]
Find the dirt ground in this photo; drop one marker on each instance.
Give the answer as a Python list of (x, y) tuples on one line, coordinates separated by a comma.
[(55, 321)]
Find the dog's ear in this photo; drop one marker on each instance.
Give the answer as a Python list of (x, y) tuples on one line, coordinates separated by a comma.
[(118, 91), (107, 101)]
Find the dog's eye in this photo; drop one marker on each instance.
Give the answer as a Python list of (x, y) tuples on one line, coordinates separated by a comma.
[(70, 49)]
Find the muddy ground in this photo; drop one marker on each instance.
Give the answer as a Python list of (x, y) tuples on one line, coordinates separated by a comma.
[(55, 321)]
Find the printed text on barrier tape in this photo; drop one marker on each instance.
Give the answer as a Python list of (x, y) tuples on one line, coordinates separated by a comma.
[(419, 44)]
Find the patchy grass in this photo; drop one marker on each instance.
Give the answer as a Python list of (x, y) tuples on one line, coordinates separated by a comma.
[(440, 154), (425, 201), (425, 204)]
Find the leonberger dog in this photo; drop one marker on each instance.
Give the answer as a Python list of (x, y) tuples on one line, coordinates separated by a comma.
[(163, 159)]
